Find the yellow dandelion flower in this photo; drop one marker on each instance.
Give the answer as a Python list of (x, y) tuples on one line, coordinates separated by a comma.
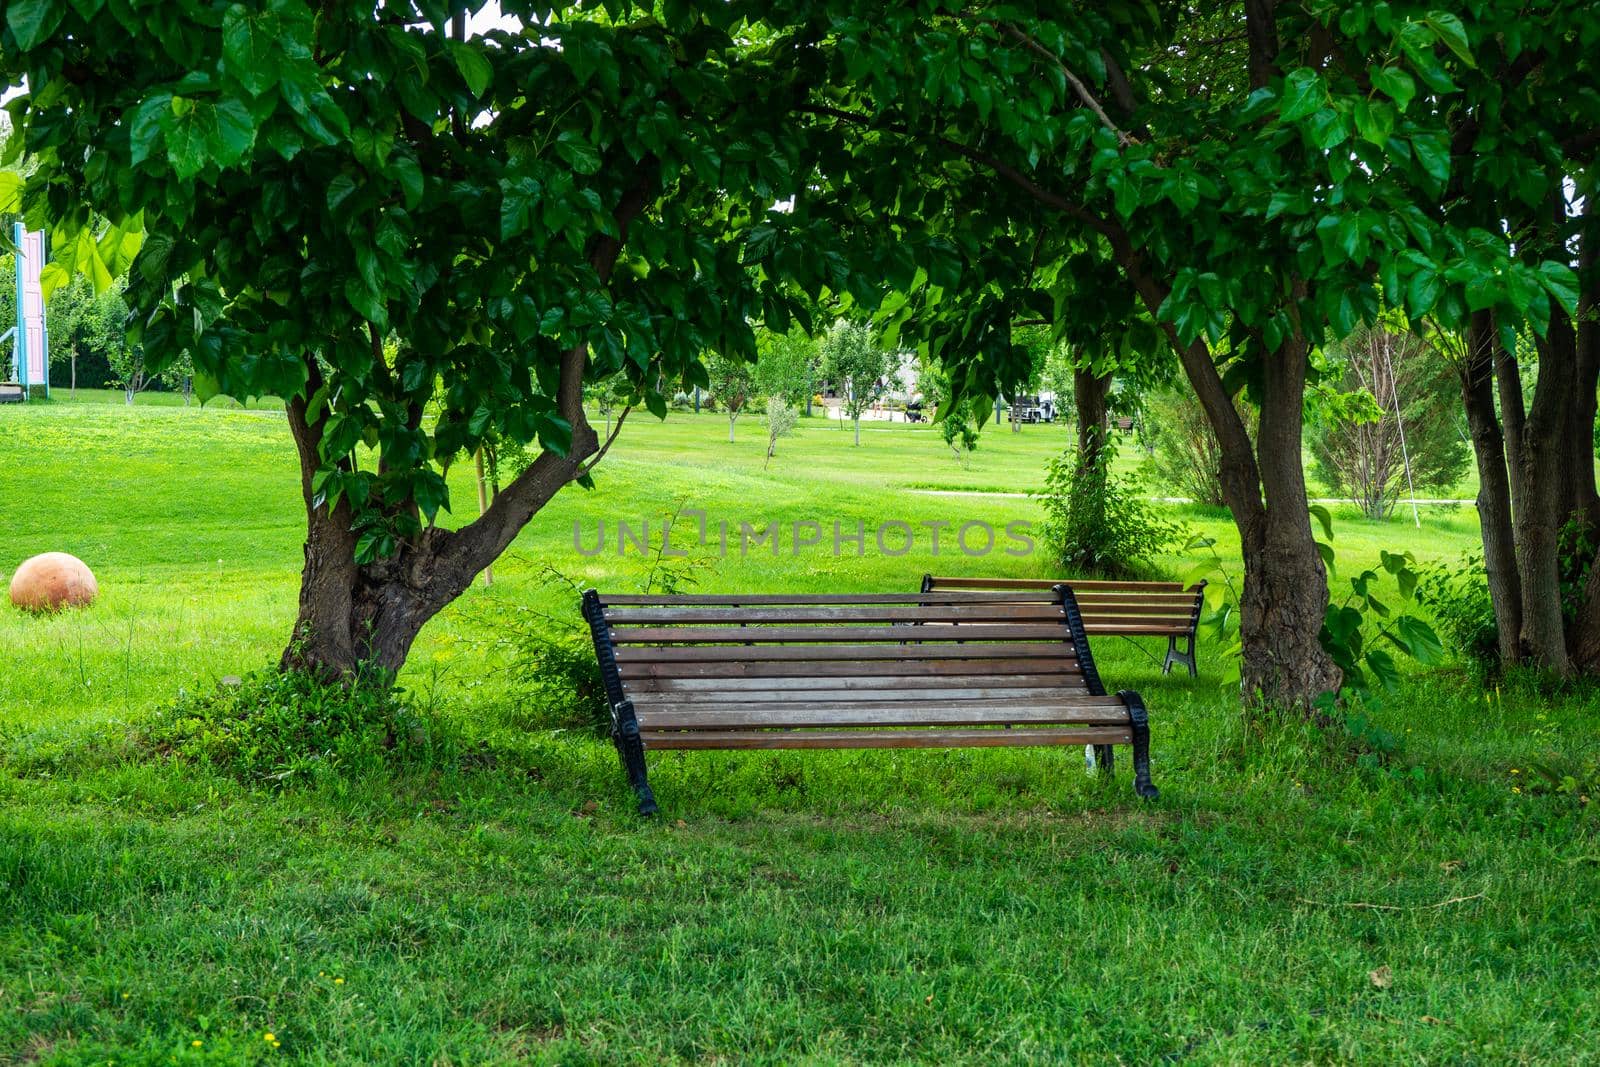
[(1516, 789), (268, 1036), (196, 1043), (338, 981)]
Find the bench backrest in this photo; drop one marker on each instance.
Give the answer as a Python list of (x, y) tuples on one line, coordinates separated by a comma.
[(832, 661), (1131, 609)]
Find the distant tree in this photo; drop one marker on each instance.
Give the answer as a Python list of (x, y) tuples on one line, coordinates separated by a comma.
[(857, 366), (733, 384), (1400, 429), (87, 331), (1186, 456), (780, 423), (958, 423), (786, 365)]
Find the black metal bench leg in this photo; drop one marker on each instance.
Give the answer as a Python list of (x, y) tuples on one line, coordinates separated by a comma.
[(1174, 656), (1139, 723), (630, 746)]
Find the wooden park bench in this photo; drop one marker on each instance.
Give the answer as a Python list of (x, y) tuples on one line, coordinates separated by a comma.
[(1116, 609), (879, 670)]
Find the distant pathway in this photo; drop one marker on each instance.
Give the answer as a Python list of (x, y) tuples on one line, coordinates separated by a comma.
[(1407, 502)]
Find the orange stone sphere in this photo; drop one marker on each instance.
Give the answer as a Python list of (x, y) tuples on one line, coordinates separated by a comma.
[(53, 581)]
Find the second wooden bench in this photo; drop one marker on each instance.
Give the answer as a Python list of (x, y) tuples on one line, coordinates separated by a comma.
[(1113, 609)]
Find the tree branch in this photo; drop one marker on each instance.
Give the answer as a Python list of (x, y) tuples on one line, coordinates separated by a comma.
[(1081, 89), (606, 447)]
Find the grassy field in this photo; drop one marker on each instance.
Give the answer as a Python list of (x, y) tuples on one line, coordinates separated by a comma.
[(1284, 901)]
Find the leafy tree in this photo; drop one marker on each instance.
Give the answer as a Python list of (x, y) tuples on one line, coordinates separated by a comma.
[(424, 242), (1403, 436), (733, 384), (786, 366), (857, 365), (1254, 218), (958, 424), (88, 331), (781, 419)]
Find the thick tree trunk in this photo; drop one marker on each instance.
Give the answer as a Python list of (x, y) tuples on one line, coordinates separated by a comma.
[(1285, 585), (355, 617), (1089, 395), (1494, 485), (1539, 512), (1285, 588)]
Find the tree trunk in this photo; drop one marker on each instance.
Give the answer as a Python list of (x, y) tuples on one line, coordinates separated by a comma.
[(858, 429), (1494, 485), (1087, 508), (731, 418), (354, 616), (1539, 514), (1285, 585), (1089, 395)]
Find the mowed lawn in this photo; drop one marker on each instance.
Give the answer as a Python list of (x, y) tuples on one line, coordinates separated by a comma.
[(1285, 900)]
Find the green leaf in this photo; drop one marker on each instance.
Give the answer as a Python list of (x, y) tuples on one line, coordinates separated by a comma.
[(1383, 668), (1326, 128), (250, 49), (199, 132), (582, 156), (1374, 121), (1303, 93), (1561, 283), (1324, 517), (405, 170), (1449, 29), (1418, 640), (10, 192), (144, 129), (1422, 292), (33, 21), (1433, 153), (475, 70), (1396, 84)]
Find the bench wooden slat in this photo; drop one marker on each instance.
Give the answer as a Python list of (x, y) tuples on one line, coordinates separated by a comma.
[(817, 653), (1086, 585), (931, 673), (910, 684), (933, 738), (801, 599), (790, 716), (1040, 612), (831, 634), (1014, 697)]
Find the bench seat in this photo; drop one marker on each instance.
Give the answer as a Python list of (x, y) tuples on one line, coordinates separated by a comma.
[(912, 670)]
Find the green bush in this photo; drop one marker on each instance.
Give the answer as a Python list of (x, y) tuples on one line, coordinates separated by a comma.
[(1101, 523), (282, 727), (554, 679), (1458, 596)]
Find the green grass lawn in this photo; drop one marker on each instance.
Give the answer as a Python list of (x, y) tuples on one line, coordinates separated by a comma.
[(1283, 901)]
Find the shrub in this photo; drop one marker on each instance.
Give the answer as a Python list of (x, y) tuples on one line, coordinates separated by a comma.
[(1458, 596), (1098, 522), (277, 727), (1186, 456)]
